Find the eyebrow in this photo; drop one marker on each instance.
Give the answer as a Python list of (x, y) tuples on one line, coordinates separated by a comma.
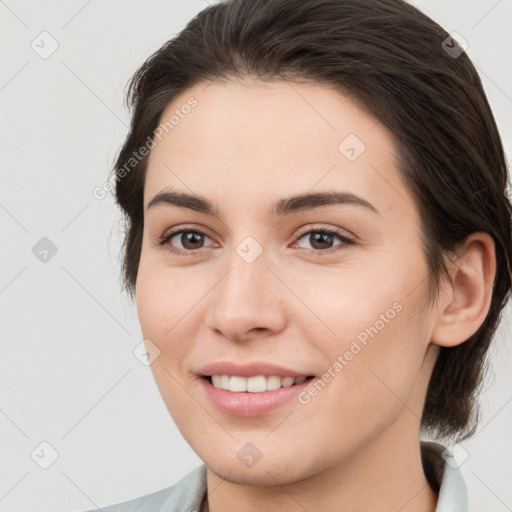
[(280, 208)]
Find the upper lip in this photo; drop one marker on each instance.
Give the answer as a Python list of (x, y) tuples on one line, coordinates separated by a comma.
[(248, 370)]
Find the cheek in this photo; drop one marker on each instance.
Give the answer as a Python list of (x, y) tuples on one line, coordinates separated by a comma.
[(162, 310), (350, 304), (165, 301), (150, 305), (382, 362), (379, 332)]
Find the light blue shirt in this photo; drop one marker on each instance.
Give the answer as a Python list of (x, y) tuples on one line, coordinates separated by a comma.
[(188, 494)]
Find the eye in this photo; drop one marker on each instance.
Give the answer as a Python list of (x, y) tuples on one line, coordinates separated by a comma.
[(183, 240), (321, 239)]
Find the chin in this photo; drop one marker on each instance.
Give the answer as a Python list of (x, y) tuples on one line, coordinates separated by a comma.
[(259, 475), (269, 470)]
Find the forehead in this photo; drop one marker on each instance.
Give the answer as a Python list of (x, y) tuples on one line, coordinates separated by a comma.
[(266, 137)]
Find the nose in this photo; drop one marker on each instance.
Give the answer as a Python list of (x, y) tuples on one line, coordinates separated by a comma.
[(247, 301)]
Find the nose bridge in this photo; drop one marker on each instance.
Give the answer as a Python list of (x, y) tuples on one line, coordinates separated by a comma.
[(246, 297), (248, 278)]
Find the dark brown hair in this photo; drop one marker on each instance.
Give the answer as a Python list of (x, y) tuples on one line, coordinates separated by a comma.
[(397, 64)]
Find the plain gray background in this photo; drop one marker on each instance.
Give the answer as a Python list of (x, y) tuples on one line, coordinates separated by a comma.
[(68, 374)]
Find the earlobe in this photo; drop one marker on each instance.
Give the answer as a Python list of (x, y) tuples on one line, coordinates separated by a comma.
[(464, 303)]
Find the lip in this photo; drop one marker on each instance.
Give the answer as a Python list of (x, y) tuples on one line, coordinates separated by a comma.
[(245, 403), (250, 404), (248, 370)]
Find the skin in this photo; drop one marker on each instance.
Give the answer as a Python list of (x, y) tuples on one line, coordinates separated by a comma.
[(355, 446)]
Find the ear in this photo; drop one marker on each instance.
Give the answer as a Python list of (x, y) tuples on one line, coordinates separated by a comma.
[(464, 303)]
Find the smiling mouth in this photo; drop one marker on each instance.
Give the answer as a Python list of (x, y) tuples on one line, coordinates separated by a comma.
[(256, 384)]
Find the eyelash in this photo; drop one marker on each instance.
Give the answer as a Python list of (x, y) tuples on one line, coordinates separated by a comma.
[(164, 240)]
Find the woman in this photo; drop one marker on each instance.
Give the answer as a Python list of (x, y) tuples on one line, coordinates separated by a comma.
[(319, 243)]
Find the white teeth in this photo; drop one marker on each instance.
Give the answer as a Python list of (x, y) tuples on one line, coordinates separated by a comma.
[(273, 382), (237, 383), (256, 384), (224, 382), (287, 382)]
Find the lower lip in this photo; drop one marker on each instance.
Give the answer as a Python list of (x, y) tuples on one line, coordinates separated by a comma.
[(251, 404)]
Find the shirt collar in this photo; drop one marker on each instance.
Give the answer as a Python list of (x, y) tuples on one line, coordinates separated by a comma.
[(444, 475)]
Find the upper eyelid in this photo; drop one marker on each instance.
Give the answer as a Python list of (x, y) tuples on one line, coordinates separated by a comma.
[(181, 229), (303, 229), (325, 227)]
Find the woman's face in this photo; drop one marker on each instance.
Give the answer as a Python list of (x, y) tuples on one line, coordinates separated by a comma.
[(258, 291)]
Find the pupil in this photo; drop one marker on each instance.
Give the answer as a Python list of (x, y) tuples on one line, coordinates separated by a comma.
[(321, 237), (191, 239)]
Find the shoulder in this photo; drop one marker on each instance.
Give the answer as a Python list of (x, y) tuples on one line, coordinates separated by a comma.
[(184, 496)]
